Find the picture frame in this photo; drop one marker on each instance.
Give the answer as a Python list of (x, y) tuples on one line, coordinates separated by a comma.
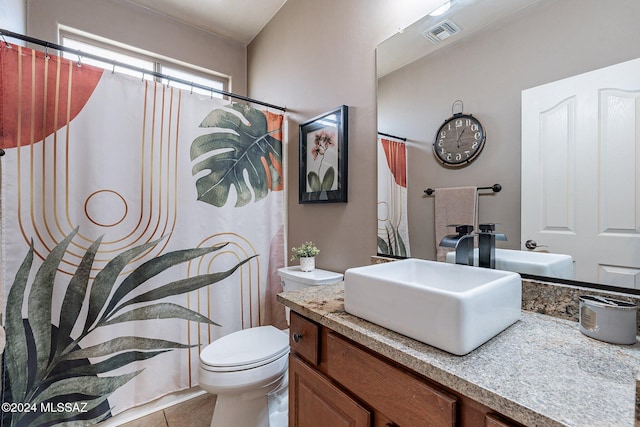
[(323, 158)]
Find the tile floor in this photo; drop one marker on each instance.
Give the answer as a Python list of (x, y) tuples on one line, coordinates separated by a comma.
[(196, 412)]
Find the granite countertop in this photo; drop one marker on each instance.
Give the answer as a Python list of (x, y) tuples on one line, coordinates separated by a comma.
[(541, 371)]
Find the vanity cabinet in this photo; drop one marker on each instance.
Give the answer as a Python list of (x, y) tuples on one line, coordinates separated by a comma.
[(334, 381)]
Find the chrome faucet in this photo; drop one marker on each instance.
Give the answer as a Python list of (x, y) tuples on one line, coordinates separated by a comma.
[(462, 242), (487, 245)]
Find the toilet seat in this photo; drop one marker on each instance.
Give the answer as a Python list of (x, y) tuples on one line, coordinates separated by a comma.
[(245, 349)]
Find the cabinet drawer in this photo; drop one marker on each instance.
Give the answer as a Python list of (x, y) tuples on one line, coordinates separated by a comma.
[(397, 394), (304, 338)]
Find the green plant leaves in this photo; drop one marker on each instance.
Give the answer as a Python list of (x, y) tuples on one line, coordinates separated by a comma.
[(107, 365), (106, 279), (118, 344), (39, 304), (76, 292), (181, 286), (383, 247), (327, 180), (16, 333), (151, 269), (160, 311), (240, 153), (89, 386), (45, 364), (91, 406), (314, 181), (394, 244)]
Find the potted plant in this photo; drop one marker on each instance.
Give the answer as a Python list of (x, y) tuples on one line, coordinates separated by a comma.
[(307, 253)]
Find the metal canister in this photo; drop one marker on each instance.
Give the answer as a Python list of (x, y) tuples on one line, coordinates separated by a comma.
[(608, 319)]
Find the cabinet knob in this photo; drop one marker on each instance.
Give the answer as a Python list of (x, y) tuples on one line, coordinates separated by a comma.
[(297, 337)]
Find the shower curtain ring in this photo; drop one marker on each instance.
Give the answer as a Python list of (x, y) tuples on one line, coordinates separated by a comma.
[(6, 43), (79, 63), (113, 70), (191, 89), (46, 52)]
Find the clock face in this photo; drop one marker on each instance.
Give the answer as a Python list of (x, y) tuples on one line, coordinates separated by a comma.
[(459, 140)]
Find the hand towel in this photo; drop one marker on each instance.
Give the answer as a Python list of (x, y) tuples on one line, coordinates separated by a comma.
[(455, 205)]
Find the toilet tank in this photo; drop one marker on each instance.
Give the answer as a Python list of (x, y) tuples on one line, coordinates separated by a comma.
[(293, 278)]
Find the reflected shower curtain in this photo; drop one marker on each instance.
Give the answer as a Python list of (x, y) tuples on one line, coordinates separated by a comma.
[(138, 223), (393, 229)]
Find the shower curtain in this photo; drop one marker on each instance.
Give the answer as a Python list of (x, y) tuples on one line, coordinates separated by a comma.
[(393, 229), (139, 223)]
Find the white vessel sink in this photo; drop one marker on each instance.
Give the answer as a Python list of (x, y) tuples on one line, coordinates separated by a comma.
[(452, 307), (537, 263)]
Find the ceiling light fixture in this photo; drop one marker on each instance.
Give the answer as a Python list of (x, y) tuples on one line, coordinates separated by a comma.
[(442, 9)]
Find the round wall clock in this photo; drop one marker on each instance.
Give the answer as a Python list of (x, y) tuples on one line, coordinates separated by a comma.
[(459, 140)]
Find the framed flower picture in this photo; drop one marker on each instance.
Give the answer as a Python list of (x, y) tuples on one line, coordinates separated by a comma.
[(323, 158)]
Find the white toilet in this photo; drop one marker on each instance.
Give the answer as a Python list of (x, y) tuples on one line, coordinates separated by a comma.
[(247, 370)]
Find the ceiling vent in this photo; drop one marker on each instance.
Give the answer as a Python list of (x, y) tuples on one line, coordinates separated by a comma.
[(441, 31)]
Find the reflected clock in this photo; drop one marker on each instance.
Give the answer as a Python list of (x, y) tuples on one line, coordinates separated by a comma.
[(459, 140)]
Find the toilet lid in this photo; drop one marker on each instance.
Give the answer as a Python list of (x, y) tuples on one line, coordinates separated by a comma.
[(246, 348)]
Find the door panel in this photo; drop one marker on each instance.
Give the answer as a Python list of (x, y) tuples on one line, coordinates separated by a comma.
[(580, 157), (557, 142)]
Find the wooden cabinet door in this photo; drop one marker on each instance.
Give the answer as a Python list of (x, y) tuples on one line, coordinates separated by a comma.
[(315, 402), (400, 396)]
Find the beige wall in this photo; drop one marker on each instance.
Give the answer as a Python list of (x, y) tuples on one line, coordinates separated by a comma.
[(312, 57), (125, 23), (551, 41)]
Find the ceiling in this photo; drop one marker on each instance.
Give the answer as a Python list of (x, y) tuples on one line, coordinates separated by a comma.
[(468, 15), (239, 20), (242, 20)]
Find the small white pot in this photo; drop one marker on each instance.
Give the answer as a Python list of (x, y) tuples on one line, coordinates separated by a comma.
[(307, 263)]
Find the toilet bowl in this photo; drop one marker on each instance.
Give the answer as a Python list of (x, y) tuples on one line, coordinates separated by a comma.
[(242, 369), (247, 369)]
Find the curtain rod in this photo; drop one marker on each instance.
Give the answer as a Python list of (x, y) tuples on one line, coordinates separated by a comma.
[(392, 136), (115, 63)]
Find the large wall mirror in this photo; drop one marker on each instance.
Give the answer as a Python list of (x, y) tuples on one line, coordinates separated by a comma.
[(486, 53)]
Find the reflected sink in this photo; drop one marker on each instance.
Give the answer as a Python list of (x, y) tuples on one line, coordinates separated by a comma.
[(537, 263), (452, 307)]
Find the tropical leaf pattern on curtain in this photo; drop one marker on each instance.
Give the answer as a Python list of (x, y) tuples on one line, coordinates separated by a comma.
[(58, 372), (240, 143), (96, 317), (393, 233), (392, 243)]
